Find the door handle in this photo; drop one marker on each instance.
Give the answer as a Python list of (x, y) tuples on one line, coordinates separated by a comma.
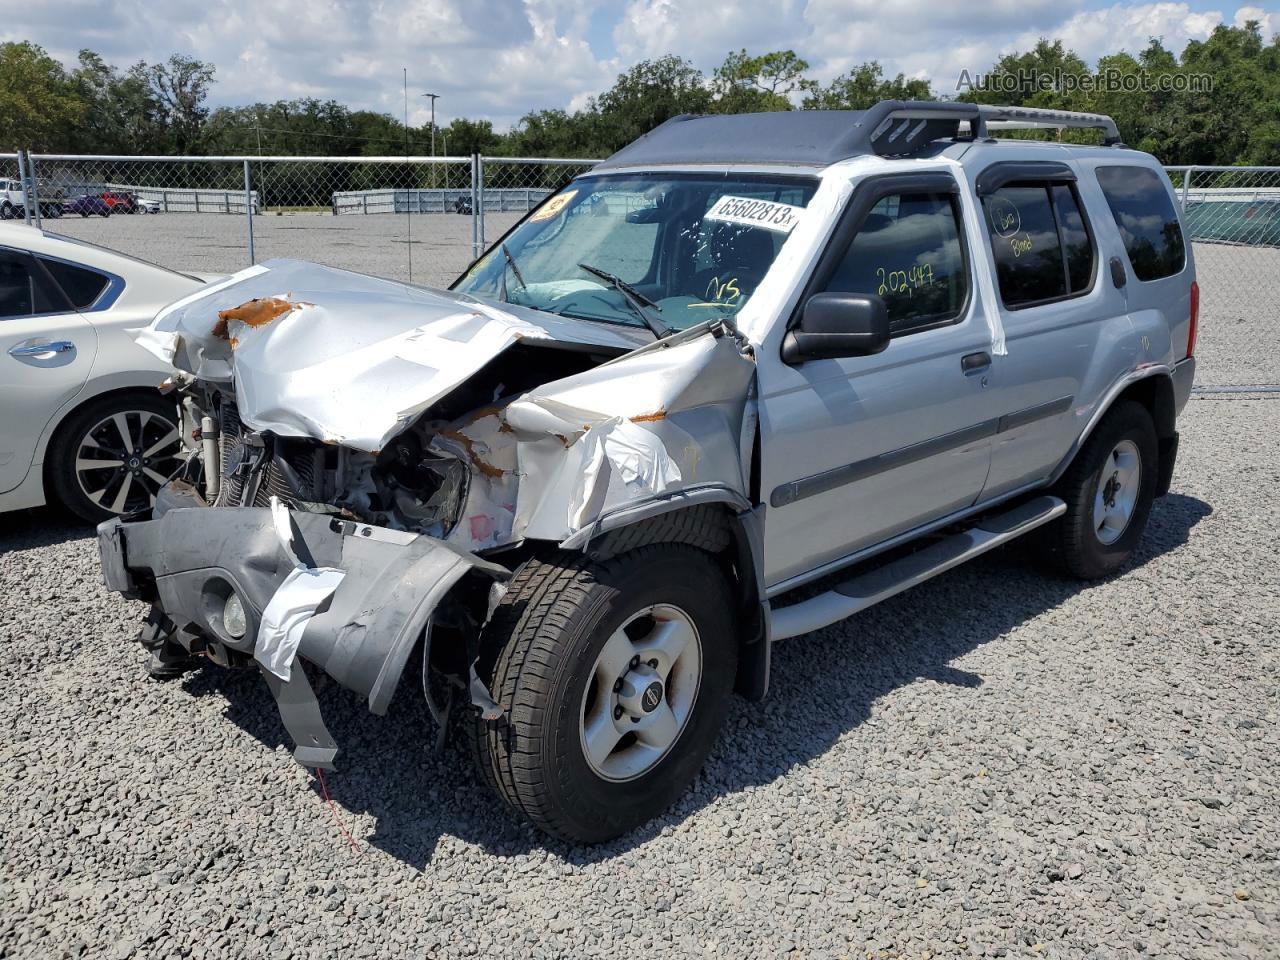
[(42, 351), (972, 363)]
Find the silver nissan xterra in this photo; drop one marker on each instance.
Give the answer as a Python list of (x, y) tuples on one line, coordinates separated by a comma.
[(577, 492)]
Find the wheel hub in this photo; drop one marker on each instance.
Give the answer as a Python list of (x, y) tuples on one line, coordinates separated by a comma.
[(641, 692), (1117, 495), (125, 458)]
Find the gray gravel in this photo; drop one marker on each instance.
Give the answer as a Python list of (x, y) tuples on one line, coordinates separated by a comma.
[(994, 763)]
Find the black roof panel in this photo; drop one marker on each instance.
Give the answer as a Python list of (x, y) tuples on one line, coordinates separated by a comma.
[(809, 137)]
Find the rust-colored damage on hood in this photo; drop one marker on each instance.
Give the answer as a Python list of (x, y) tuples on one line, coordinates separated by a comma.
[(258, 312), (649, 417)]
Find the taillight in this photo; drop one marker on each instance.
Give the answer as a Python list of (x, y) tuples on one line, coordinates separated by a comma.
[(1195, 318)]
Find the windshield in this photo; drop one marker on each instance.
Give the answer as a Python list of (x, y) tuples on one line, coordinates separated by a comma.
[(691, 246)]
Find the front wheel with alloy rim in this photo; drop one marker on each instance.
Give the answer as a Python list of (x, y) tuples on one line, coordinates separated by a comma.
[(1108, 489), (113, 455), (615, 677)]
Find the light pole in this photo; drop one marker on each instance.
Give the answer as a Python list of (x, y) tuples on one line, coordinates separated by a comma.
[(434, 97)]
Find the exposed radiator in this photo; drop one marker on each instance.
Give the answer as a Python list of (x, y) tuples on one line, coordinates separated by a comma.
[(272, 480)]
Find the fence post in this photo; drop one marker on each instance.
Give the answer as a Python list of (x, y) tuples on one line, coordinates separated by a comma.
[(480, 190), (475, 206), (164, 200), (26, 187), (1186, 186), (248, 211), (196, 194), (35, 192)]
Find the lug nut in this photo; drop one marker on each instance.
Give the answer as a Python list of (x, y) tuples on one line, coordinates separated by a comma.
[(635, 661), (617, 713), (654, 663), (617, 685)]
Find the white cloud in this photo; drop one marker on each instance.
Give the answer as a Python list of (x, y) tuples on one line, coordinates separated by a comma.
[(1129, 27), (1269, 23), (498, 59)]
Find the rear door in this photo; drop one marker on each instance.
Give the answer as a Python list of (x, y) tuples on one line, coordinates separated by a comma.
[(859, 449), (46, 351), (1054, 301)]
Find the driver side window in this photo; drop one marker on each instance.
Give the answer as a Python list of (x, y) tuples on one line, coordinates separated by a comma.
[(908, 251)]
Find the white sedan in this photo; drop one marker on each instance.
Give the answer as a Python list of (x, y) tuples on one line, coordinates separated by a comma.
[(81, 420)]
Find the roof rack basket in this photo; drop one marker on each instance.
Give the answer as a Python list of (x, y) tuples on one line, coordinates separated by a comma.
[(896, 128), (1031, 118)]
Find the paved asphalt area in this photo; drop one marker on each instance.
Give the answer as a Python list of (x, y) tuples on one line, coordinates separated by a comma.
[(995, 763)]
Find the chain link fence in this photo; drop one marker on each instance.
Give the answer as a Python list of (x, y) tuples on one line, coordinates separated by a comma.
[(1232, 216), (421, 219), (425, 218), (509, 187)]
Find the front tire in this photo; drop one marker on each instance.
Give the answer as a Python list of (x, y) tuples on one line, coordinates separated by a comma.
[(112, 456), (615, 678), (1109, 490), (6, 211)]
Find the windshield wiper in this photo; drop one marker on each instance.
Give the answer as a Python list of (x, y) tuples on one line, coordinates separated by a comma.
[(515, 268), (635, 299)]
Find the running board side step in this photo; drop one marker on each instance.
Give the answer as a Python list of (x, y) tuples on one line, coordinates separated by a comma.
[(881, 583)]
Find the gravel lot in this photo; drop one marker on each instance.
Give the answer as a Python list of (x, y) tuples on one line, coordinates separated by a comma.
[(995, 763), (216, 243)]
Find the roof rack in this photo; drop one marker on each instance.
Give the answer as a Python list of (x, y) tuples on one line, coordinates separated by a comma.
[(891, 128), (902, 127), (1033, 118)]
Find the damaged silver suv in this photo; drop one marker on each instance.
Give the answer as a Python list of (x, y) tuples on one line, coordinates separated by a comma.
[(578, 492)]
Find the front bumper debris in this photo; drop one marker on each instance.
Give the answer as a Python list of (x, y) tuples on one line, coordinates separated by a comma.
[(189, 561)]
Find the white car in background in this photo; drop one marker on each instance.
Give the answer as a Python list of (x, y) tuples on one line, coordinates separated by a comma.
[(148, 206), (81, 420)]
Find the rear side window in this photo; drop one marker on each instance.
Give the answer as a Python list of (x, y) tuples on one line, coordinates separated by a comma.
[(1041, 243), (22, 291), (82, 287), (1147, 220), (908, 252)]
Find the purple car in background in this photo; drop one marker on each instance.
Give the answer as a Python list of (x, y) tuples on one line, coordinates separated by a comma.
[(86, 205)]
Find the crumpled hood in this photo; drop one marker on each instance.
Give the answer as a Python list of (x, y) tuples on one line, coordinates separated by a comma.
[(345, 358)]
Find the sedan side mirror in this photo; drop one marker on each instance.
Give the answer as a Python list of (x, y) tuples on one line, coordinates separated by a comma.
[(838, 325)]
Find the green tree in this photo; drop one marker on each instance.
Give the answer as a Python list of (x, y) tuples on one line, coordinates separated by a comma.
[(746, 84), (181, 85), (122, 113), (650, 93), (39, 105), (864, 86)]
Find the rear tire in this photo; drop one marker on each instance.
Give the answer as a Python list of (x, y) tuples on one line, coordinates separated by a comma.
[(93, 433), (6, 211), (564, 628), (1108, 489)]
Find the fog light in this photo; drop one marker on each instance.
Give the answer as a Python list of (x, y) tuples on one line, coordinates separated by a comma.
[(233, 620)]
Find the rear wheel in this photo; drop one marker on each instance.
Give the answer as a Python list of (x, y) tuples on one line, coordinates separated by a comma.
[(1108, 490), (6, 210), (615, 678), (111, 457)]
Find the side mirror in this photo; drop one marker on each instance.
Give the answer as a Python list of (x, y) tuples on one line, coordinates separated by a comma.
[(838, 325)]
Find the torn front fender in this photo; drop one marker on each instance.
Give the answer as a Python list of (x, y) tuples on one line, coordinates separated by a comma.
[(664, 422)]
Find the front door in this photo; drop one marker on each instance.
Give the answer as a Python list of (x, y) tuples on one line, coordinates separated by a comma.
[(857, 450), (46, 351)]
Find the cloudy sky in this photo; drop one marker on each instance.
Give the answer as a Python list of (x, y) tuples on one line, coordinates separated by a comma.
[(500, 58)]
